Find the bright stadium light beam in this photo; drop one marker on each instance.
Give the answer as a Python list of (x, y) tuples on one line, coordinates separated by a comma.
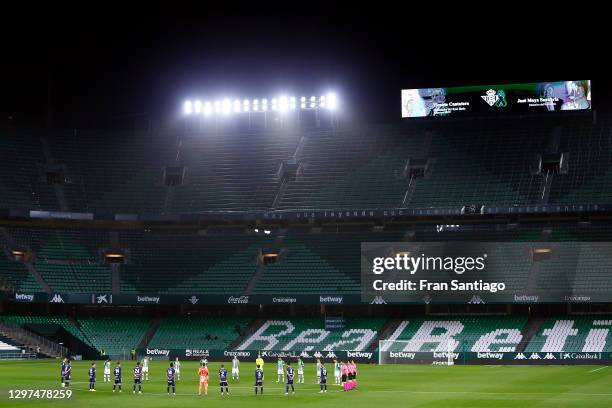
[(197, 106), (227, 107), (332, 101), (236, 105), (217, 106), (207, 108), (283, 104), (187, 108)]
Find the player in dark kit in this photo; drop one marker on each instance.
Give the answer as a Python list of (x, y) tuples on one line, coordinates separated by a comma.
[(223, 379), (323, 380), (67, 373), (117, 374), (170, 374), (259, 378), (62, 371), (138, 378), (92, 377), (290, 375)]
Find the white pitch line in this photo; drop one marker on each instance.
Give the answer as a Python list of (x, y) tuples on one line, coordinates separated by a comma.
[(597, 369)]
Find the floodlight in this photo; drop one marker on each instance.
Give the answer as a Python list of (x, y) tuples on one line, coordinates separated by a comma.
[(198, 106), (273, 104), (303, 99), (303, 105), (187, 108), (226, 106), (313, 99), (217, 106), (282, 103), (312, 104), (332, 102), (207, 108), (236, 105)]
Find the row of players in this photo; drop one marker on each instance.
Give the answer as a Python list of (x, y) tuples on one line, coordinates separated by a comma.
[(345, 373)]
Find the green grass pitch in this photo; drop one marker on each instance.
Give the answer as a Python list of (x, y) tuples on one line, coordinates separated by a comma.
[(379, 387)]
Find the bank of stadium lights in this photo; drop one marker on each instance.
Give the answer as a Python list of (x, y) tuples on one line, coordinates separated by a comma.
[(280, 104)]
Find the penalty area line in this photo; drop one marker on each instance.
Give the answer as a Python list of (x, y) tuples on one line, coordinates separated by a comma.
[(597, 369)]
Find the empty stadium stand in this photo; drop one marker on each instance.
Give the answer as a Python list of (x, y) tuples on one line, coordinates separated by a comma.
[(573, 334), (481, 162), (465, 333), (115, 335), (198, 332), (306, 334)]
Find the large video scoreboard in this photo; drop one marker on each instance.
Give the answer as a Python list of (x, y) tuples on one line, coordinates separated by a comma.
[(535, 97)]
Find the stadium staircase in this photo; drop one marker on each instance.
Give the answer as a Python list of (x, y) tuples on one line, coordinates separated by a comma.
[(384, 333), (57, 187), (150, 333), (529, 331), (32, 342), (250, 328)]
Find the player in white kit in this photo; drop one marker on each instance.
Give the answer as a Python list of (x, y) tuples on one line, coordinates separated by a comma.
[(107, 376), (318, 371), (337, 373), (280, 371), (145, 368), (177, 369), (300, 371), (235, 369)]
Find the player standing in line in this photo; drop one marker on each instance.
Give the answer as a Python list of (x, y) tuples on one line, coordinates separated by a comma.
[(354, 373), (344, 370), (223, 380), (107, 375), (177, 369), (67, 373), (235, 369), (170, 373), (289, 379), (203, 375), (138, 378), (323, 376), (300, 371), (318, 371), (336, 372), (62, 371), (259, 379), (280, 370), (117, 373), (92, 377), (145, 368)]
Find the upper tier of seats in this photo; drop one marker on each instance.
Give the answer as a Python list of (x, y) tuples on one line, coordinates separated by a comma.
[(321, 262), (486, 162)]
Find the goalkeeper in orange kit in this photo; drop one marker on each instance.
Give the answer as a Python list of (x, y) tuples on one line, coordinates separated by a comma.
[(203, 374)]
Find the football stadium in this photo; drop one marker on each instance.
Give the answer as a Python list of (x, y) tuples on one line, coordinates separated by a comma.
[(272, 246)]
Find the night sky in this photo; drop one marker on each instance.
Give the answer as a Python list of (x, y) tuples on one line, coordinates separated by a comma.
[(104, 67)]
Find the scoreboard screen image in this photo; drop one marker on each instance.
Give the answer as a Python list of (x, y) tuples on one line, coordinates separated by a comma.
[(524, 98)]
